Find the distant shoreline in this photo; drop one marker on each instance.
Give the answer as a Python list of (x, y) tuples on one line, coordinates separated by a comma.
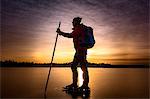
[(90, 66), (10, 63)]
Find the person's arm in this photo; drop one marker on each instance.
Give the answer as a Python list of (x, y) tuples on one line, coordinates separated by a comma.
[(69, 35)]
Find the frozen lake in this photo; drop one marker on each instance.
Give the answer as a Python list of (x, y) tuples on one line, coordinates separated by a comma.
[(29, 82)]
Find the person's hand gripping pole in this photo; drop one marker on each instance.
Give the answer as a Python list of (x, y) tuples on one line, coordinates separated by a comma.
[(58, 29)]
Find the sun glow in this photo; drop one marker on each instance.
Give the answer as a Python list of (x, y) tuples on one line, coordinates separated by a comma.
[(80, 78)]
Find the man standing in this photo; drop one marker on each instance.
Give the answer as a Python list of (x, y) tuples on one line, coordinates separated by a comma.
[(78, 34)]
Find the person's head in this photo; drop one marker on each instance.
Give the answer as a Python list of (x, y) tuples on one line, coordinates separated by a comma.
[(76, 21)]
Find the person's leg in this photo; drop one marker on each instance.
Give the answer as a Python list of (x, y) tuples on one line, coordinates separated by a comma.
[(84, 67), (85, 73), (74, 70)]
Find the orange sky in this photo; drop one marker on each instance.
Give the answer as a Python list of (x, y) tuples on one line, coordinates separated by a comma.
[(121, 34)]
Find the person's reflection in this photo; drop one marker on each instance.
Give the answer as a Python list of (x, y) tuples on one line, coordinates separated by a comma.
[(77, 94)]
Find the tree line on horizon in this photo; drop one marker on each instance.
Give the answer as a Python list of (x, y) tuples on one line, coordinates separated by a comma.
[(12, 63)]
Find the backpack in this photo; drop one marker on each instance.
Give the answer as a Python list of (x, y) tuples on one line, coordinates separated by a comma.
[(89, 40)]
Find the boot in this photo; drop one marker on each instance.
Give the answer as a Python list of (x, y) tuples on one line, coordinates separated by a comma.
[(84, 88), (71, 86)]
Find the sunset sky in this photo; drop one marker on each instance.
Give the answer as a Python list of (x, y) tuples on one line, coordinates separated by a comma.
[(28, 30)]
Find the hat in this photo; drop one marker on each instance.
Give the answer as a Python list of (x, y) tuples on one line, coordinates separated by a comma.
[(77, 19)]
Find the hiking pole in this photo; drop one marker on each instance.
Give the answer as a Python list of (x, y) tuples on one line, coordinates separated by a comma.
[(51, 63)]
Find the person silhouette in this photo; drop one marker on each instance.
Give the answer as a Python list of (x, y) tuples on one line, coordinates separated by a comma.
[(80, 52)]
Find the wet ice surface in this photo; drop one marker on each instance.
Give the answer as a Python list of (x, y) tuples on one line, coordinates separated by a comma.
[(29, 82)]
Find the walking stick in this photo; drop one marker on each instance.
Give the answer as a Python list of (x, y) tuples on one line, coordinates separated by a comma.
[(51, 63)]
